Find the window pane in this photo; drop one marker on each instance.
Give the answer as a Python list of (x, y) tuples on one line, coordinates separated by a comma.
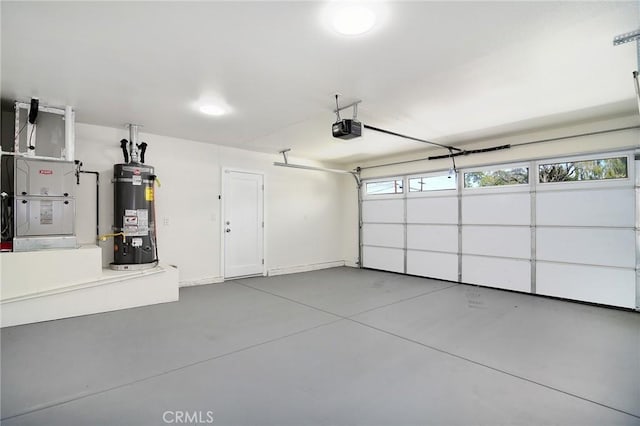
[(572, 171), (432, 183), (385, 187), (500, 177)]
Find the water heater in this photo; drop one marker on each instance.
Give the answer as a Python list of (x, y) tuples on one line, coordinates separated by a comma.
[(134, 246)]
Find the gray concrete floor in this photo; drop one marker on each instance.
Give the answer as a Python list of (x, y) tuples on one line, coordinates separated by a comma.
[(333, 347)]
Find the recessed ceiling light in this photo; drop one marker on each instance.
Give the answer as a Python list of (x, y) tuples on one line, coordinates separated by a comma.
[(353, 20), (211, 109)]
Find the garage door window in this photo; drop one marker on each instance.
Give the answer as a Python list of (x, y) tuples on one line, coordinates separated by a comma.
[(496, 177), (574, 171), (432, 183), (385, 187)]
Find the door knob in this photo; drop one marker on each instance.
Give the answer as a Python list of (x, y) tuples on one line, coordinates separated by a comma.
[(228, 230)]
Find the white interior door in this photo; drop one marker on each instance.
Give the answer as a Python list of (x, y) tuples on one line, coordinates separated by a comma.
[(243, 225)]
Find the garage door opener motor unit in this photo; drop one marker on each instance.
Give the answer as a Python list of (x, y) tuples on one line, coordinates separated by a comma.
[(134, 209), (346, 128)]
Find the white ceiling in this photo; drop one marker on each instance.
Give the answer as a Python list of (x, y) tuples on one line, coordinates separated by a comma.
[(438, 70)]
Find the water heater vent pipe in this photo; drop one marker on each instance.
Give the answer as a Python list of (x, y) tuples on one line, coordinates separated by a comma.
[(133, 142)]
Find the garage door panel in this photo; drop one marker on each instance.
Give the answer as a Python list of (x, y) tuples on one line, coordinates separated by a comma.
[(386, 235), (495, 272), (584, 242), (497, 241), (443, 266), (433, 210), (383, 211), (385, 259), (609, 247), (608, 207), (497, 209), (609, 286), (433, 237)]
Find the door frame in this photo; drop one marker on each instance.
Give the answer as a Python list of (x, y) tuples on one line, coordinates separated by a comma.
[(223, 181)]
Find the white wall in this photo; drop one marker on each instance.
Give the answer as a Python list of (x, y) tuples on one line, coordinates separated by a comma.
[(304, 210)]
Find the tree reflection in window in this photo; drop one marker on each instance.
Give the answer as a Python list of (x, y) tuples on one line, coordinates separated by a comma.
[(572, 171), (499, 177)]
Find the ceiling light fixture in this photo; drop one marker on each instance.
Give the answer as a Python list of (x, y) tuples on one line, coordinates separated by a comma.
[(353, 20), (211, 109)]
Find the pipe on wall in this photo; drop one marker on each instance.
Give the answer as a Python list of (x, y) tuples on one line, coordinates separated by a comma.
[(97, 174)]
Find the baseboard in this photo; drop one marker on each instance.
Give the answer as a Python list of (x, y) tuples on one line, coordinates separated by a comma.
[(305, 268), (274, 271), (202, 281), (350, 264)]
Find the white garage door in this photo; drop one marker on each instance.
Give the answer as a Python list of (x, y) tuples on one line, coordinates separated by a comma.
[(383, 225), (560, 227), (496, 227), (432, 226), (585, 231)]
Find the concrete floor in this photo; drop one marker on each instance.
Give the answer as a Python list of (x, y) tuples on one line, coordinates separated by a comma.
[(333, 347)]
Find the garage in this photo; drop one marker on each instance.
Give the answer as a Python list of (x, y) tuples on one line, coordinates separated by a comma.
[(319, 213)]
